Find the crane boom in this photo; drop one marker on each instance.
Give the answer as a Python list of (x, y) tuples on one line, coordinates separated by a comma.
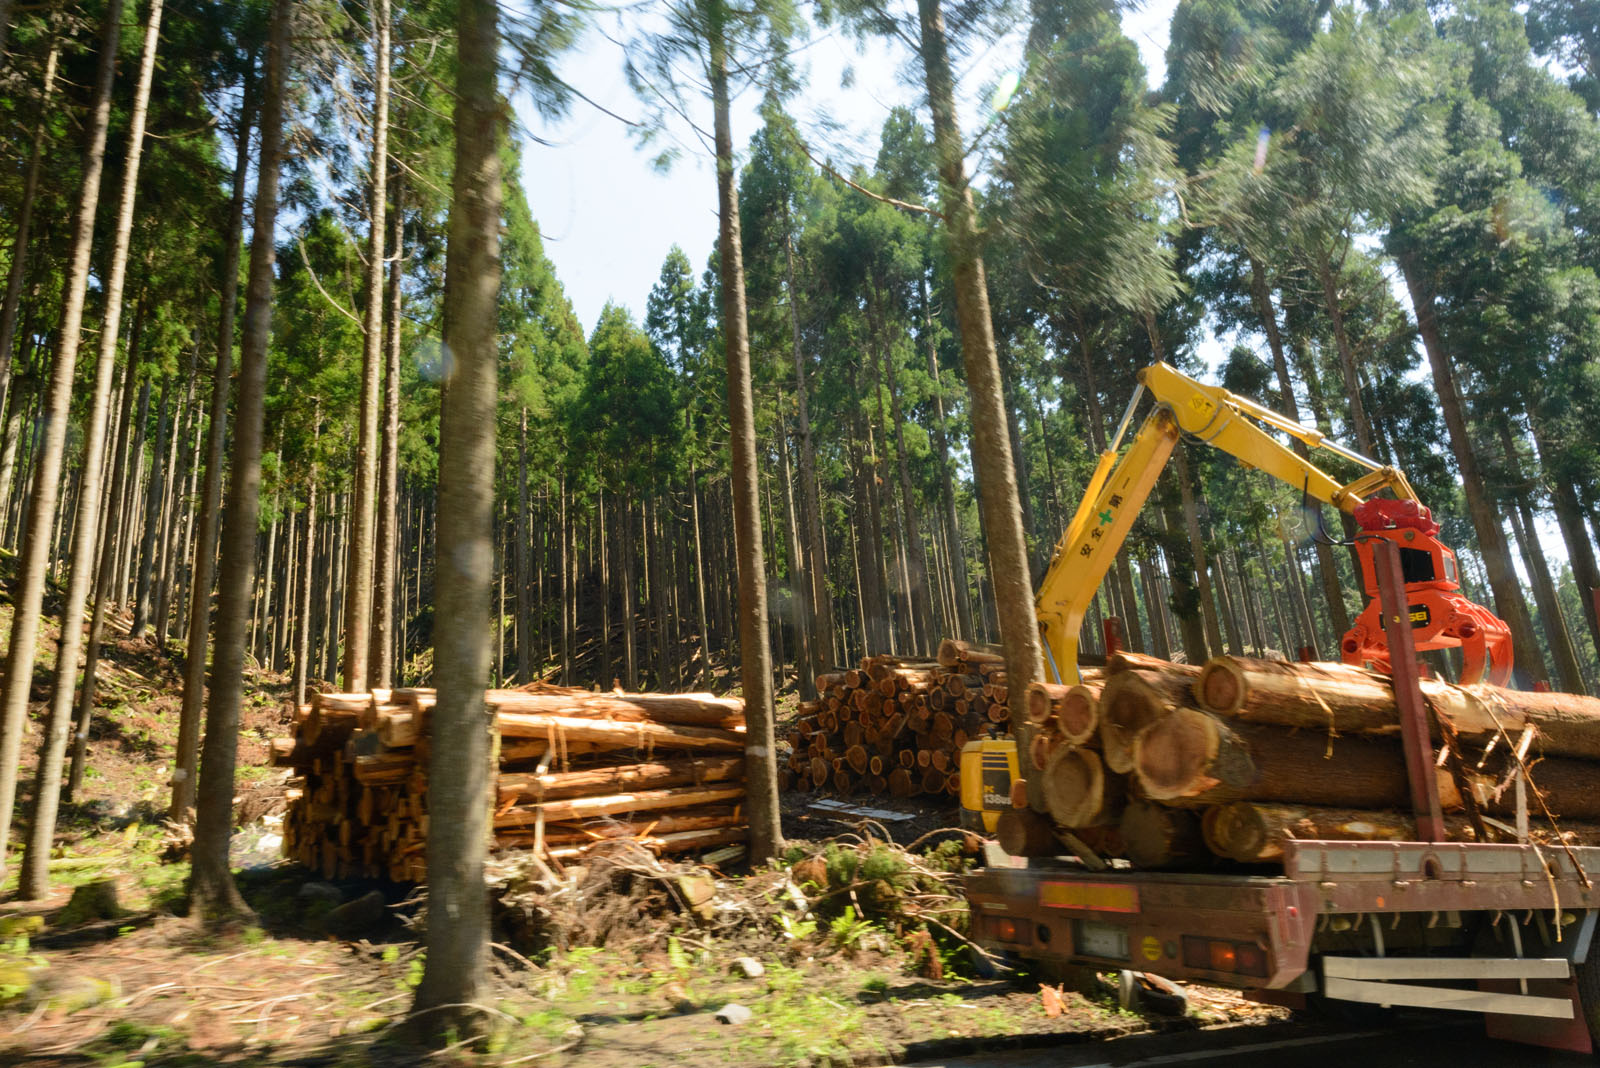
[(1119, 488)]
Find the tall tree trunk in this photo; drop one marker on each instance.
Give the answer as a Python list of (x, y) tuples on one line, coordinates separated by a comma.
[(386, 565), (917, 561), (1191, 526), (991, 448), (702, 620), (154, 496), (821, 614), (128, 557), (459, 791), (178, 463), (523, 550), (959, 578), (798, 570), (35, 548), (1323, 267), (755, 658), (34, 881), (1185, 601), (114, 535), (1580, 551), (1327, 569), (1503, 582), (358, 568), (302, 655), (1559, 638), (213, 897), (205, 542), (30, 187)]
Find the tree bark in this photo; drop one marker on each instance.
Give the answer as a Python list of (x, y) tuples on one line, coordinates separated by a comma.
[(821, 614), (1503, 582), (34, 880), (358, 569), (755, 658), (154, 493), (18, 270), (214, 899), (381, 653), (1327, 569), (112, 537), (205, 542), (35, 547), (991, 448), (459, 795)]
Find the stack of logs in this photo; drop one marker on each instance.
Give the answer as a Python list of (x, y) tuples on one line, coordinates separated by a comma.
[(1175, 766), (896, 726), (573, 768)]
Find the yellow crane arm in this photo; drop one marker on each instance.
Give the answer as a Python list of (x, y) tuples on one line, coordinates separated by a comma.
[(1119, 488)]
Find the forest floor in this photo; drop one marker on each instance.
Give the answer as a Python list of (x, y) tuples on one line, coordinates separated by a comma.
[(108, 972)]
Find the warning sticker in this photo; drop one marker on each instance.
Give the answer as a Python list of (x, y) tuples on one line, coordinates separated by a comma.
[(1151, 948)]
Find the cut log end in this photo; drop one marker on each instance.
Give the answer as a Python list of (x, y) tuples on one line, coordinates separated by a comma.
[(1221, 686)]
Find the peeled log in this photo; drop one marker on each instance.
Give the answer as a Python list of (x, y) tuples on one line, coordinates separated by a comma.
[(1127, 660), (639, 735), (579, 808), (397, 730), (1077, 791), (678, 842), (687, 709), (595, 830), (1186, 753), (1155, 836), (513, 787)]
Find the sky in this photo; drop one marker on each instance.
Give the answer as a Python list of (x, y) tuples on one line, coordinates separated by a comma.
[(609, 218)]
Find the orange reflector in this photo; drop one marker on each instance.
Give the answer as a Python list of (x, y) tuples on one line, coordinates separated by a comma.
[(1223, 958), (1214, 954), (1091, 897)]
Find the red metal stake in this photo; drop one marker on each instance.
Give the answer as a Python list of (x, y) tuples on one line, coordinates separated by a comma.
[(1407, 691), (1111, 626)]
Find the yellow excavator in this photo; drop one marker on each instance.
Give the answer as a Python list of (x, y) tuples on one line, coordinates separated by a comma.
[(1440, 616)]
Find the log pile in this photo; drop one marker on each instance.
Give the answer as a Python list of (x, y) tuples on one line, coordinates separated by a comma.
[(896, 726), (1176, 766), (572, 768)]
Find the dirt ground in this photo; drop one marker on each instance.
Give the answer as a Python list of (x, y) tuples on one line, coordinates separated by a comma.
[(107, 972)]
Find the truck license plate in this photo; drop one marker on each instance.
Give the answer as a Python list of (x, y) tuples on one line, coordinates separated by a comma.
[(1091, 897)]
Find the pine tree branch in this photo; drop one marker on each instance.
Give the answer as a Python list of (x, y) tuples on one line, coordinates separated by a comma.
[(340, 308), (829, 170)]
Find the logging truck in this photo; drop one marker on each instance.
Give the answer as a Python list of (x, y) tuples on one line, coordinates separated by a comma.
[(1343, 833)]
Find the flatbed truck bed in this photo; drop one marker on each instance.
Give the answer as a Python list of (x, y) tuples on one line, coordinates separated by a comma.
[(1502, 929)]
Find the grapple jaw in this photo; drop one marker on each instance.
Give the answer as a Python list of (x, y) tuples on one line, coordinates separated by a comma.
[(1441, 618)]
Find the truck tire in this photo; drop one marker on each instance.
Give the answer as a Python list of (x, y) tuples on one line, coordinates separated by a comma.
[(1587, 977)]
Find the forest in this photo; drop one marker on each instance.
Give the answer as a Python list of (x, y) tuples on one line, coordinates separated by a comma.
[(247, 246)]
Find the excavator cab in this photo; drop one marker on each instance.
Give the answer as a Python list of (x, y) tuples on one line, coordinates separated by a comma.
[(1441, 618)]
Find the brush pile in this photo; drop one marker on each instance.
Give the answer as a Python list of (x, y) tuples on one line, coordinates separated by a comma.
[(896, 726), (574, 768), (1174, 765)]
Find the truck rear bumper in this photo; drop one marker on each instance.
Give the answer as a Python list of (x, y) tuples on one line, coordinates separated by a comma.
[(1241, 931)]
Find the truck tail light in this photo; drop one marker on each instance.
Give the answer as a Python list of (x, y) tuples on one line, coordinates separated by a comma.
[(1219, 955)]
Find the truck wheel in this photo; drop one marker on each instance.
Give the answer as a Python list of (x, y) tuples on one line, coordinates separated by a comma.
[(1587, 977)]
